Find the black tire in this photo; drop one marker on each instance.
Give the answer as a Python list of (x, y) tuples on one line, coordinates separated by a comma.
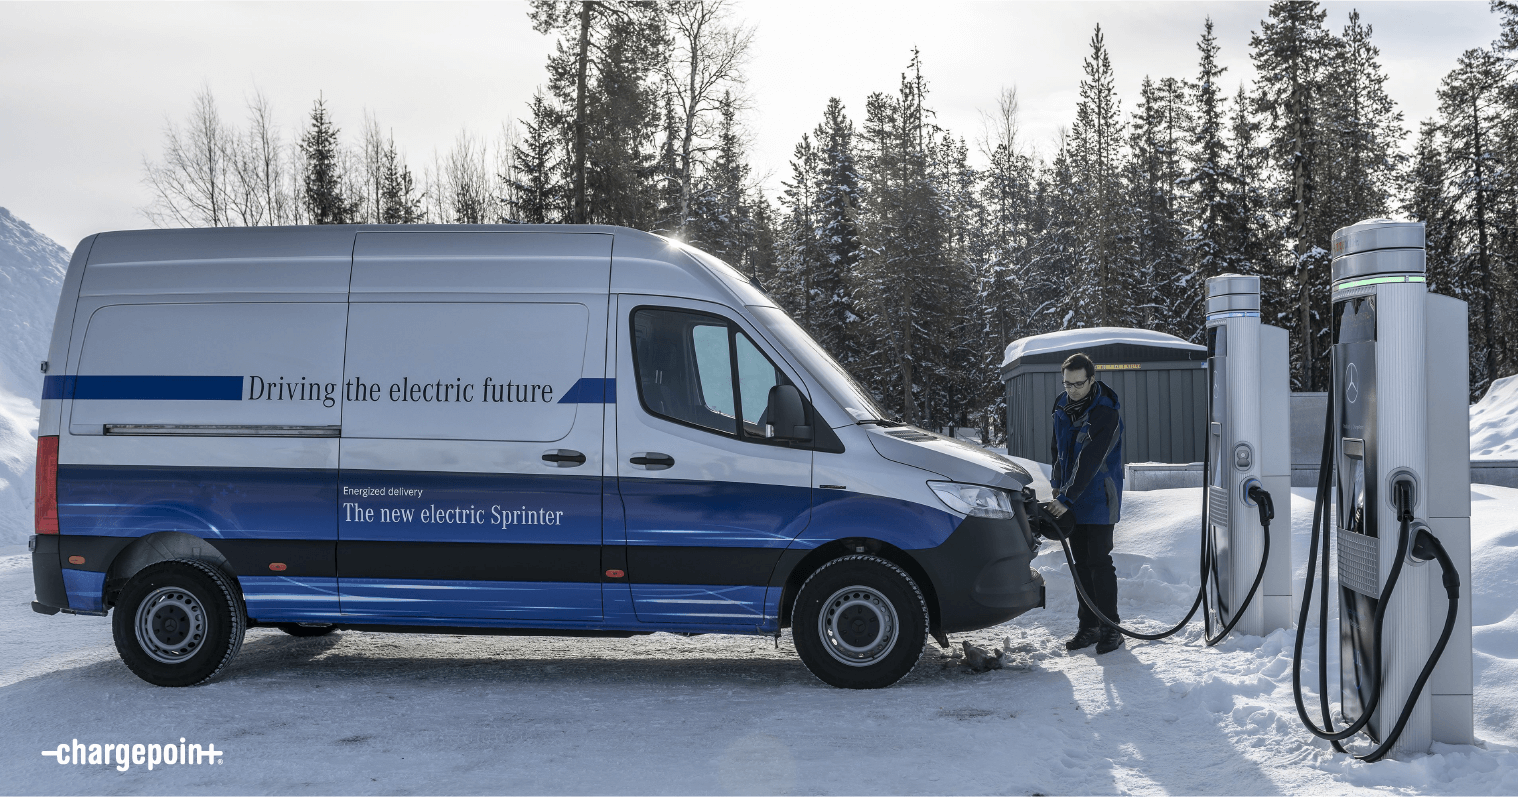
[(178, 623), (859, 622), (296, 629)]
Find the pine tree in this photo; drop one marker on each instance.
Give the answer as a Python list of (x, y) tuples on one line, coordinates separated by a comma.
[(602, 77), (1102, 286), (322, 179), (900, 285), (960, 384), (835, 212), (759, 261), (670, 211), (1291, 52), (1365, 131), (398, 202), (1473, 114), (1059, 252), (719, 223), (1209, 187), (1429, 201), (1252, 225), (1155, 173), (538, 191)]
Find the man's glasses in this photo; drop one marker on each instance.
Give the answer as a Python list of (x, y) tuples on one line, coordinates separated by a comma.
[(1073, 385)]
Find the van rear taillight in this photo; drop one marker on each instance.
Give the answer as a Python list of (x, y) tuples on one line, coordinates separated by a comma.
[(47, 484)]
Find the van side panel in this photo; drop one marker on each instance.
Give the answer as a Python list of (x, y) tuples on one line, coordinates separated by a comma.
[(472, 450), (201, 402)]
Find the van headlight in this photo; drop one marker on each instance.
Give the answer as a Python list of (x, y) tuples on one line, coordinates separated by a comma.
[(974, 500)]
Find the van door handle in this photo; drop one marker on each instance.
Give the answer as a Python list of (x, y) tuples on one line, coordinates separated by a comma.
[(651, 460), (564, 458)]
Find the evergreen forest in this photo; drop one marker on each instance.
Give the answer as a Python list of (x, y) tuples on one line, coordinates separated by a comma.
[(913, 253)]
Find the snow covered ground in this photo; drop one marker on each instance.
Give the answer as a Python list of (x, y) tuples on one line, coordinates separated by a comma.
[(395, 714)]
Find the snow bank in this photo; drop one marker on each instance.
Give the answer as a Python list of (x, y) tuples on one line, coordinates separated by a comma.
[(1494, 421), (31, 274), (1068, 339), (1243, 687)]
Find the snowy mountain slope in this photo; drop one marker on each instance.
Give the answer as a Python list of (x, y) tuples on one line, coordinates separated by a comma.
[(31, 274), (358, 713)]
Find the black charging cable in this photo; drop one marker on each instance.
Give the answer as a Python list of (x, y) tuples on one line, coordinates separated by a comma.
[(1427, 547), (1046, 520)]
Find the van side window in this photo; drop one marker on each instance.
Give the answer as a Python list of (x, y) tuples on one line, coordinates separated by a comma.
[(701, 370), (756, 375)]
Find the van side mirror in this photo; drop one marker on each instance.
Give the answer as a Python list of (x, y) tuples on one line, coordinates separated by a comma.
[(787, 414)]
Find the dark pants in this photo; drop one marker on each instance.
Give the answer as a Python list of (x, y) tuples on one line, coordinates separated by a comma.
[(1092, 545)]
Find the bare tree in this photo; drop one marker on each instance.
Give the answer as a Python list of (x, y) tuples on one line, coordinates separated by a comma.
[(261, 194), (999, 127), (371, 170), (467, 193), (506, 172), (192, 187), (706, 63)]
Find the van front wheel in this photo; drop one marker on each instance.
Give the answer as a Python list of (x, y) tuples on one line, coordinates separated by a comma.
[(178, 623), (860, 622)]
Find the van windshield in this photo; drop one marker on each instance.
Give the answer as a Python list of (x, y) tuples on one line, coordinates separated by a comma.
[(849, 394)]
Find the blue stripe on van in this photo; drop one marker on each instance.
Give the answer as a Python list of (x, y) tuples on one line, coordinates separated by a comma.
[(591, 391), (286, 598), (232, 503), (465, 600), (696, 603), (143, 388)]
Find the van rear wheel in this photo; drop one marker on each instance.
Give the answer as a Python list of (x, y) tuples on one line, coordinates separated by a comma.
[(178, 623), (860, 622)]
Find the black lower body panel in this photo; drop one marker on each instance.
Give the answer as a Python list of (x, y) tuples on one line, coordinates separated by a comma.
[(983, 573), (47, 572)]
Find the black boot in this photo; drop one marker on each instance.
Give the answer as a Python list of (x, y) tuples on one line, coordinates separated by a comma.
[(1084, 638), (1111, 639)]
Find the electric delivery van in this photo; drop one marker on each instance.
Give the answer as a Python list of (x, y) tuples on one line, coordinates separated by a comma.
[(559, 430)]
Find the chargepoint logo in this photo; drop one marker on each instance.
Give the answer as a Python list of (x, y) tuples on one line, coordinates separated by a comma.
[(127, 756)]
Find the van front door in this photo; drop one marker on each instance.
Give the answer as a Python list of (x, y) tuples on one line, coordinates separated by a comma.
[(709, 501), (471, 481)]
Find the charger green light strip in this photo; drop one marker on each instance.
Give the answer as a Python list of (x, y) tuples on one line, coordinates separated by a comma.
[(1376, 281)]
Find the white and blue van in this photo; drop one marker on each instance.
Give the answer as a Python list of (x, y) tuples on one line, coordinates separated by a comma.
[(560, 430)]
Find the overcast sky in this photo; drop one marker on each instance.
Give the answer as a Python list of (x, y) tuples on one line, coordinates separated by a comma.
[(86, 88)]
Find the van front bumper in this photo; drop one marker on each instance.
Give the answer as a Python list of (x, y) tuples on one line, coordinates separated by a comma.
[(983, 573)]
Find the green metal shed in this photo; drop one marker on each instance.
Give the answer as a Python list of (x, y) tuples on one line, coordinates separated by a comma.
[(1160, 379)]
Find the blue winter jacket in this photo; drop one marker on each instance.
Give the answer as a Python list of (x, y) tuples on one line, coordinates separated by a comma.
[(1088, 458)]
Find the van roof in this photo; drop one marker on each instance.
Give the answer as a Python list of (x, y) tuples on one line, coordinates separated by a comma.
[(195, 243), (314, 260)]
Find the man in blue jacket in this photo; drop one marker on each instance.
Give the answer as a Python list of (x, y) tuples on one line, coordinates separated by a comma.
[(1088, 480)]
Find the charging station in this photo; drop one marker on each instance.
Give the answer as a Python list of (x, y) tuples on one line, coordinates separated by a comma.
[(1246, 559), (1396, 487), (1248, 446)]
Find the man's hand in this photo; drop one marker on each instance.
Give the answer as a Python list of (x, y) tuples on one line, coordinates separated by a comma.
[(1057, 508)]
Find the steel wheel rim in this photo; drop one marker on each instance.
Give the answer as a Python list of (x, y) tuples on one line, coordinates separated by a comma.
[(171, 625), (858, 626)]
